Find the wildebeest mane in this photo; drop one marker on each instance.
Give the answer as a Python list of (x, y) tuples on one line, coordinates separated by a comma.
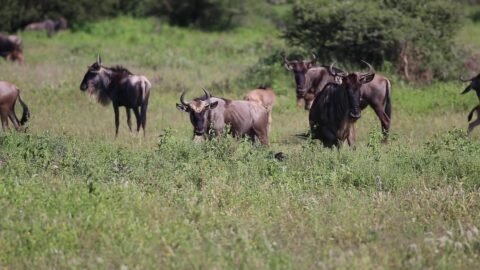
[(120, 69)]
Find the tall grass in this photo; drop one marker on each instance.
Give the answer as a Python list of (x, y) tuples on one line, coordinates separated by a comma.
[(71, 196)]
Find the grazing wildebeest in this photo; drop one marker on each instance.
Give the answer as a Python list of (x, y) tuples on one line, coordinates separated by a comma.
[(11, 48), (210, 115), (475, 85), (375, 94), (265, 97), (122, 88), (50, 26), (9, 94), (337, 107)]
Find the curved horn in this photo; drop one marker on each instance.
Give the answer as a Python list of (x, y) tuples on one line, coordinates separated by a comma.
[(334, 73), (286, 63), (206, 93), (463, 80), (99, 59), (371, 70), (182, 99), (314, 57)]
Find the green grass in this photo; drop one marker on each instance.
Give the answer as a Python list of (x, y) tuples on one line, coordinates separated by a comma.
[(71, 196)]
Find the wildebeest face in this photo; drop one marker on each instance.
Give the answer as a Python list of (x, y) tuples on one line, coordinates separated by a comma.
[(198, 110), (93, 79), (299, 69)]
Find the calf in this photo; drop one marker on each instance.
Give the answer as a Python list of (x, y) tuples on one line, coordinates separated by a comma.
[(265, 97), (11, 48)]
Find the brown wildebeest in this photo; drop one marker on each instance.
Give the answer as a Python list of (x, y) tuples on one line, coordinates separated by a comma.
[(122, 88), (375, 93), (299, 68), (50, 26), (210, 115), (9, 94), (475, 85), (337, 107), (265, 97), (11, 48)]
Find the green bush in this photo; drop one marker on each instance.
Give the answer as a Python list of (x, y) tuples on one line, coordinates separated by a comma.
[(416, 36)]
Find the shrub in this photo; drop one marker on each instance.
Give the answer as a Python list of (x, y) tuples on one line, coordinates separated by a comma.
[(416, 36)]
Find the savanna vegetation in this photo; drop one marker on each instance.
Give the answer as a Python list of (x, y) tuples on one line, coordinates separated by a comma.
[(72, 196)]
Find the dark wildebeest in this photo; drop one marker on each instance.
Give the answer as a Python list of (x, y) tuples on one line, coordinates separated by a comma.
[(50, 26), (475, 85), (265, 97), (9, 94), (11, 48), (122, 88), (375, 94), (210, 115), (337, 107)]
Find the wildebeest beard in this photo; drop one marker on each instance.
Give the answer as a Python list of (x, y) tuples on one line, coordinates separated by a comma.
[(110, 81)]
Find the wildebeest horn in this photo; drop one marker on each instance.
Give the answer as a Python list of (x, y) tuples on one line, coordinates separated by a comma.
[(463, 80), (286, 63), (371, 70), (314, 57), (207, 94), (99, 59), (334, 73), (182, 99)]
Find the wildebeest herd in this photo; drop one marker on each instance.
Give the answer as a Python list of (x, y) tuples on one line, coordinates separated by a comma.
[(333, 97)]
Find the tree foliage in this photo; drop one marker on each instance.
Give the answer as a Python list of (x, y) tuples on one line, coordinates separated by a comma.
[(416, 36)]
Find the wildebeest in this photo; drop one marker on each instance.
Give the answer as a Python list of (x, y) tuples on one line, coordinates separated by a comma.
[(11, 48), (475, 85), (337, 107), (299, 68), (375, 93), (50, 26), (9, 94), (265, 97), (210, 115), (122, 88)]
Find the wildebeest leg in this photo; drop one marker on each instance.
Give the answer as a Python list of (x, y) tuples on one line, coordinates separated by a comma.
[(137, 116), (14, 120), (475, 123), (384, 120), (129, 120), (4, 118), (143, 115), (351, 137), (117, 119)]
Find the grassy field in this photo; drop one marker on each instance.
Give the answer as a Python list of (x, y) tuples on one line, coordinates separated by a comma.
[(71, 196)]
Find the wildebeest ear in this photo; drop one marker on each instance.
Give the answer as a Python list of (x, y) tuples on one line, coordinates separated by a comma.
[(182, 107), (368, 78), (213, 105)]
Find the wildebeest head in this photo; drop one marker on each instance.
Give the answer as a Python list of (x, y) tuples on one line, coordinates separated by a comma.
[(96, 81), (198, 110), (299, 68), (474, 84), (352, 83)]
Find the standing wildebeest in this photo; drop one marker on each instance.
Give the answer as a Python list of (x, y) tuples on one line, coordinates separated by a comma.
[(122, 88), (11, 48), (337, 107), (265, 97), (475, 85), (299, 68), (50, 26), (9, 94), (210, 115), (375, 93)]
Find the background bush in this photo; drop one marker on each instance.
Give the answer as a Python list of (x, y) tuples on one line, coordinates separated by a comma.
[(416, 36)]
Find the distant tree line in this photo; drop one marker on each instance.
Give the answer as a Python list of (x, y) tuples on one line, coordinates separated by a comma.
[(416, 36), (206, 14)]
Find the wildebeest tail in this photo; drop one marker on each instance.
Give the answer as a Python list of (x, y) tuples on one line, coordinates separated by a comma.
[(26, 111), (388, 104), (470, 115)]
